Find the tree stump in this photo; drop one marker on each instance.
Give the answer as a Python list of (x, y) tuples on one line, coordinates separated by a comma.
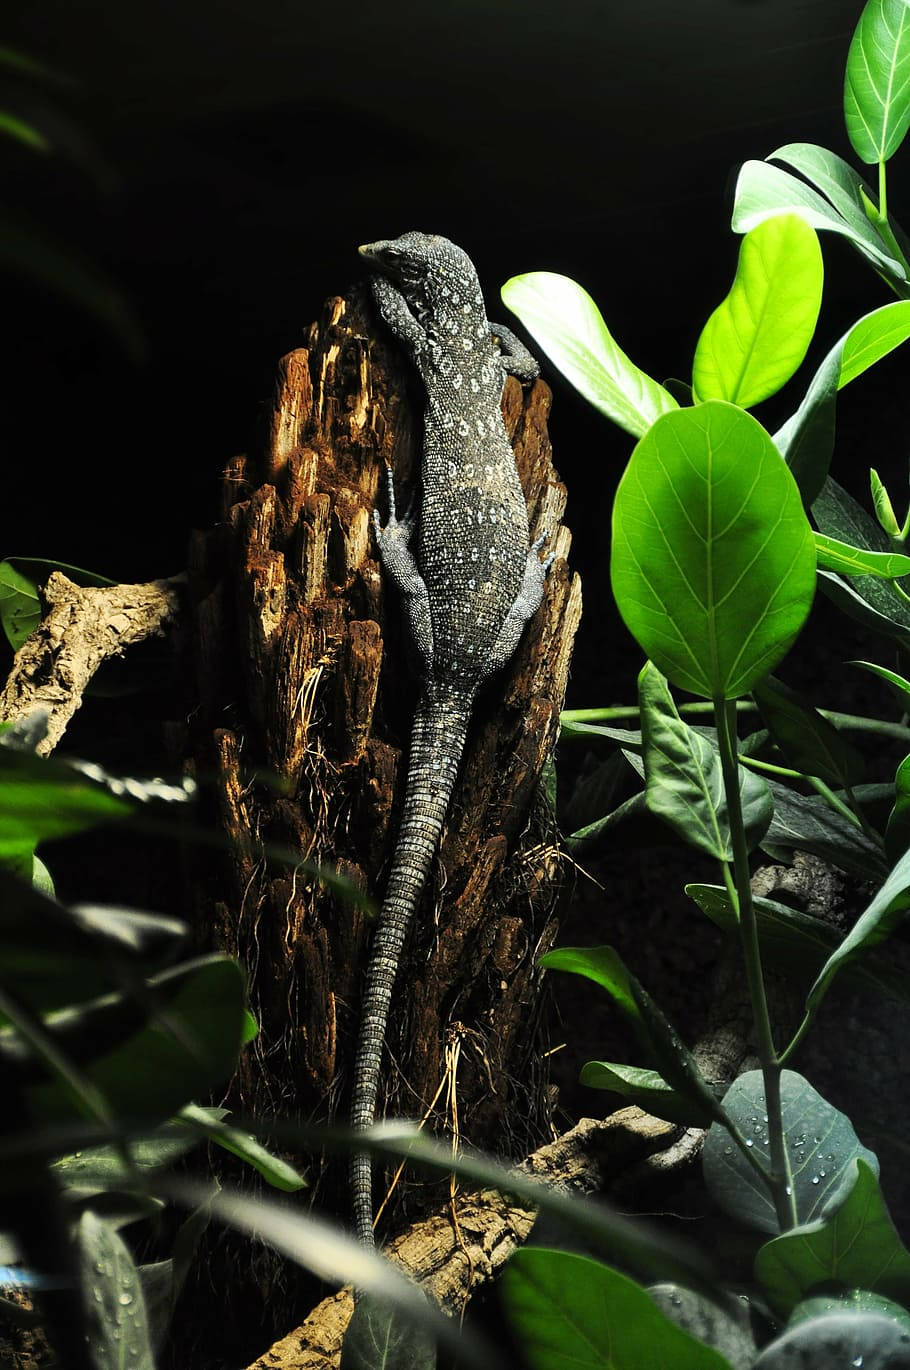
[(305, 700)]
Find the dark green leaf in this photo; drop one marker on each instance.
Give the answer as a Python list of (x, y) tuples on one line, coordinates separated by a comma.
[(713, 564), (645, 1088), (809, 823), (727, 1327), (673, 1059), (838, 1339), (41, 799), (852, 1243), (861, 1300), (821, 1145), (684, 778), (758, 336), (838, 515), (570, 328), (162, 1281), (808, 741), (897, 833), (189, 1047), (593, 794), (835, 178), (572, 1313), (114, 1304), (275, 1171), (876, 923), (899, 685), (798, 944), (379, 1337), (586, 839), (877, 84)]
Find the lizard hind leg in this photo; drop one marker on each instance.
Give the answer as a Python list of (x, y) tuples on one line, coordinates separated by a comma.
[(399, 565), (524, 606)]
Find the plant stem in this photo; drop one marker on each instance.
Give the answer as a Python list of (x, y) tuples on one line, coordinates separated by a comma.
[(849, 722), (882, 223), (780, 1180)]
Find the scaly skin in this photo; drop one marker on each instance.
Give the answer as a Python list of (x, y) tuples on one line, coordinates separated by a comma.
[(468, 588)]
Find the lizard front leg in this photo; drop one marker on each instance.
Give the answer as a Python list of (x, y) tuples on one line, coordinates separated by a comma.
[(393, 307), (514, 357), (401, 568), (525, 604)]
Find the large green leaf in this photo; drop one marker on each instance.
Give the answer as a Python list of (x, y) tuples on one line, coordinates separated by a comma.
[(764, 191), (853, 1245), (877, 82), (713, 563), (836, 179), (877, 922), (820, 1141), (117, 1325), (758, 336), (727, 1325), (41, 799), (853, 1337), (806, 440), (189, 1046), (570, 328), (684, 777), (571, 1313), (277, 1172), (379, 1337)]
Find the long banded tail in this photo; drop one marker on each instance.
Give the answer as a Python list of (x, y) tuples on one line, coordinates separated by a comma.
[(437, 743)]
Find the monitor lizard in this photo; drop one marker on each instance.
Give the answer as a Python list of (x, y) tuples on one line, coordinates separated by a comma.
[(468, 581)]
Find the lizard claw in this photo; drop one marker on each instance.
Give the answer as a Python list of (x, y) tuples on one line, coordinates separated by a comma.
[(536, 546)]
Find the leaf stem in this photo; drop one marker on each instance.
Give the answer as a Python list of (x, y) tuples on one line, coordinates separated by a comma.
[(849, 722), (779, 1181)]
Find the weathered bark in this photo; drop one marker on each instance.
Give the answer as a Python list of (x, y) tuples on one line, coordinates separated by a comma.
[(83, 627), (302, 673)]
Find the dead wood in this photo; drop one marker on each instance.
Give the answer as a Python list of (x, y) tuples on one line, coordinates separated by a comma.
[(83, 627)]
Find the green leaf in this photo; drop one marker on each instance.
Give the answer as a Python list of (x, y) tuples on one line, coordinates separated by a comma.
[(897, 833), (593, 835), (20, 602), (22, 132), (569, 327), (808, 741), (100, 1168), (837, 180), (645, 1088), (42, 798), (713, 563), (856, 561), (876, 602), (809, 823), (877, 83), (593, 793), (764, 191), (190, 1046), (572, 1313), (118, 1331), (379, 1337), (900, 686), (672, 1057), (884, 509), (857, 1300), (852, 1338), (55, 956), (854, 1243), (876, 923), (821, 1145), (758, 336), (273, 1169), (684, 778), (806, 440), (336, 1258), (726, 1326), (796, 943)]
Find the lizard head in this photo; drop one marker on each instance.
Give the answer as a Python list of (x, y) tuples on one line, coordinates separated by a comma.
[(432, 273)]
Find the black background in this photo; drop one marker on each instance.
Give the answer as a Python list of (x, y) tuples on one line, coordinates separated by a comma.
[(235, 154)]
